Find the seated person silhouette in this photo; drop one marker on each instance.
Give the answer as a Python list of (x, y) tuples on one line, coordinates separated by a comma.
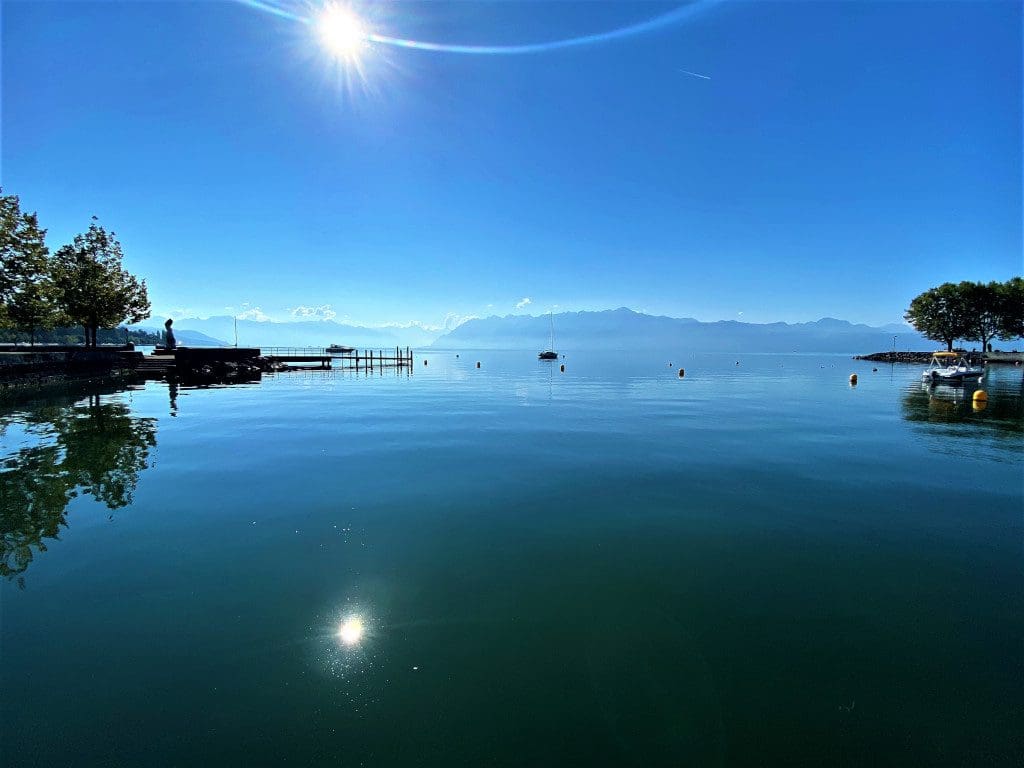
[(171, 343)]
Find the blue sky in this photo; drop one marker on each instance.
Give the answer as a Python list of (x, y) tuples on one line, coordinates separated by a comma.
[(839, 159)]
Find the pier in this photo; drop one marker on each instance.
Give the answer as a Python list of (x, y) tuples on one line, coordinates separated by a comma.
[(183, 359), (327, 358)]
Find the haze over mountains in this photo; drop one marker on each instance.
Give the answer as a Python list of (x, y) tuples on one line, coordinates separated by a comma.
[(610, 329), (312, 333), (625, 329)]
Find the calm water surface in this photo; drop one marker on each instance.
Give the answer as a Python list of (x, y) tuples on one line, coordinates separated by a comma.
[(755, 565)]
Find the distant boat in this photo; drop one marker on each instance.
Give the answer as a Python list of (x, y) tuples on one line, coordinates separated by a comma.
[(337, 349), (950, 368), (549, 353)]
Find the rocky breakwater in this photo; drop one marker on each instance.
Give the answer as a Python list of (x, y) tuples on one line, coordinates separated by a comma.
[(897, 357), (221, 365)]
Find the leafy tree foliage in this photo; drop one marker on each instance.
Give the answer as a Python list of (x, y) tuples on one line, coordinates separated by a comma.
[(26, 287), (970, 311), (93, 290), (983, 312), (940, 314), (1011, 322)]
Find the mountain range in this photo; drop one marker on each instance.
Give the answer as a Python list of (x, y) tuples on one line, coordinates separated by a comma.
[(625, 329), (610, 329)]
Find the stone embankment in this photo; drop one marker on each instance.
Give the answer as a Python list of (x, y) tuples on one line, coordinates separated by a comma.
[(926, 357), (34, 369), (897, 357)]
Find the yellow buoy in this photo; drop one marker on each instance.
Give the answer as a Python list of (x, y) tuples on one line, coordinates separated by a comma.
[(980, 396), (853, 379), (682, 372)]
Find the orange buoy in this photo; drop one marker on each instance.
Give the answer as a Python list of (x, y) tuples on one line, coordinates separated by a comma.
[(980, 396)]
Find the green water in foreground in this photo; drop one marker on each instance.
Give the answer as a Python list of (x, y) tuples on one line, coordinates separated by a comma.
[(755, 565)]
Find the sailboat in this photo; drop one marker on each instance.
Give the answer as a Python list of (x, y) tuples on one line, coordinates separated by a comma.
[(549, 353)]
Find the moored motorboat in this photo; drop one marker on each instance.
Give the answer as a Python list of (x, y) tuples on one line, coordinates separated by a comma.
[(337, 349), (951, 368)]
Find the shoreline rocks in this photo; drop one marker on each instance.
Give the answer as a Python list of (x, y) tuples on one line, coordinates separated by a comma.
[(897, 357)]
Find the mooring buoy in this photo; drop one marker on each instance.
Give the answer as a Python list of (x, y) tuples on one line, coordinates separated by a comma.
[(424, 362), (477, 363), (980, 396), (853, 379), (562, 367), (682, 372)]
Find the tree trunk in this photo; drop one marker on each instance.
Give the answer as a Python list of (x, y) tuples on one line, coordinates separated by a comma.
[(32, 336), (949, 345)]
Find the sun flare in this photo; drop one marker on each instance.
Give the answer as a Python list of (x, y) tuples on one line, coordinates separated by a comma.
[(341, 31), (351, 631)]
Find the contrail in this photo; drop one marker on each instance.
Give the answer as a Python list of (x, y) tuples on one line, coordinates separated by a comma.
[(669, 19), (693, 74)]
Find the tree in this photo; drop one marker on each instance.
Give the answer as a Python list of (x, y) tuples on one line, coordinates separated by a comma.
[(1011, 320), (92, 288), (26, 289), (940, 314), (983, 311)]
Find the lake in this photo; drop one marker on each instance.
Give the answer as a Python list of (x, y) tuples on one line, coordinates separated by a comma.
[(756, 564)]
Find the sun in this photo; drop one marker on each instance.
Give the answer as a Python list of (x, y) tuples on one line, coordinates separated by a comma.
[(341, 31)]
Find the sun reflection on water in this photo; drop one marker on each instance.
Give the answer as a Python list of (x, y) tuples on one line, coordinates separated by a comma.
[(351, 631)]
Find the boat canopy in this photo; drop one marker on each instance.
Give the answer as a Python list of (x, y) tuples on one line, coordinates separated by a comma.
[(946, 354)]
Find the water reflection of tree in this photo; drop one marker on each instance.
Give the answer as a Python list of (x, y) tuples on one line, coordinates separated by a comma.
[(85, 446), (951, 408)]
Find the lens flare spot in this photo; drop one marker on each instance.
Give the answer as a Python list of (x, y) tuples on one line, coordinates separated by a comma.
[(341, 32), (351, 631)]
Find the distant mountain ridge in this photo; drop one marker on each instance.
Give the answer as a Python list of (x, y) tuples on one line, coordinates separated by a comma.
[(611, 329), (220, 330), (185, 337), (624, 328)]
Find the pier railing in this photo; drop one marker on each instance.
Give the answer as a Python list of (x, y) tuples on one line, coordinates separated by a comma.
[(326, 357)]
